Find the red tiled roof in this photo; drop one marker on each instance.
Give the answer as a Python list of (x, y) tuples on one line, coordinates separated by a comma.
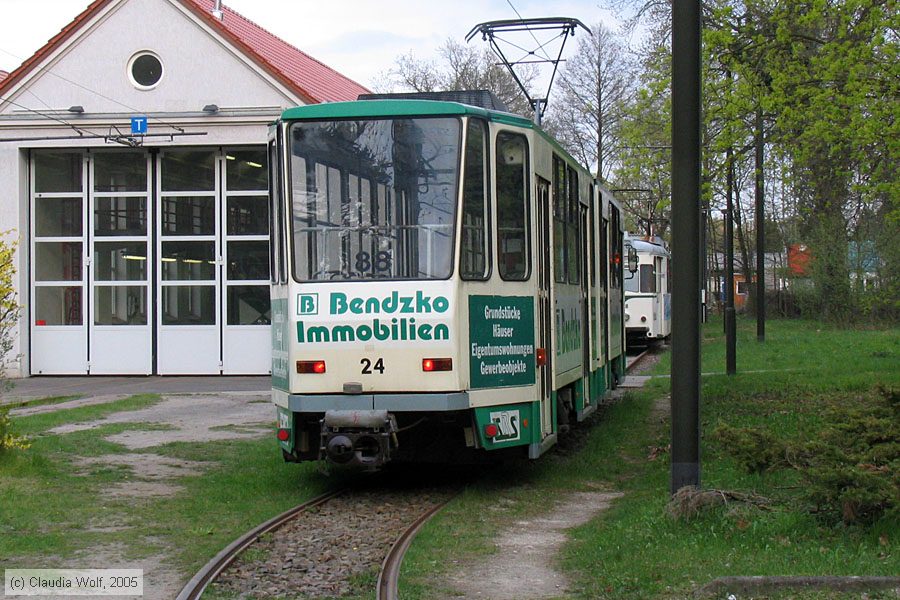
[(3, 75), (301, 73), (305, 75)]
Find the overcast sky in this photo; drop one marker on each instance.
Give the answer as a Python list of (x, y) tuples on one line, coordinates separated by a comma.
[(359, 38)]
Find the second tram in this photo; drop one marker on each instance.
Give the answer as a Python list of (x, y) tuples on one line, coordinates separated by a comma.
[(648, 292)]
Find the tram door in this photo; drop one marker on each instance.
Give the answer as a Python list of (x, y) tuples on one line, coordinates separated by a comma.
[(545, 314), (586, 312)]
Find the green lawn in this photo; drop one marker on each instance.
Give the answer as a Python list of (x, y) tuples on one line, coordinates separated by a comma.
[(52, 510), (635, 550)]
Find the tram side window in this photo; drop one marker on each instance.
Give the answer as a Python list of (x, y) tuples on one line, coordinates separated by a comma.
[(615, 249), (592, 272), (648, 279), (276, 216), (514, 249), (474, 251), (560, 201), (669, 275), (573, 229)]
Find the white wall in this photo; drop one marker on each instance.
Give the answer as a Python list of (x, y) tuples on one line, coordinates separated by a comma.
[(91, 71)]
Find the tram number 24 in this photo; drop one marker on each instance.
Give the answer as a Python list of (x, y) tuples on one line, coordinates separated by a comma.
[(368, 366)]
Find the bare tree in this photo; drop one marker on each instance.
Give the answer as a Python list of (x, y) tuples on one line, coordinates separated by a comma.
[(459, 67), (595, 87)]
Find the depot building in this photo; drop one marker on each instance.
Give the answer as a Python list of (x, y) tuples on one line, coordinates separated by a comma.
[(134, 179)]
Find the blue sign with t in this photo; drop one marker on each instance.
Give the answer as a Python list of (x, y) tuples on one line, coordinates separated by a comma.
[(138, 125)]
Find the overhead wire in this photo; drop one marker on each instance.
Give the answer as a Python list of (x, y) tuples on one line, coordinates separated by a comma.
[(49, 71), (79, 130)]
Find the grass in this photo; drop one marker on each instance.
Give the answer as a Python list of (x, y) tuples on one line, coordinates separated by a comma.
[(634, 550), (54, 510)]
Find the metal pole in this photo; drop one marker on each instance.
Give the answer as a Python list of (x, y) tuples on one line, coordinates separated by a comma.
[(730, 325), (760, 233), (685, 244)]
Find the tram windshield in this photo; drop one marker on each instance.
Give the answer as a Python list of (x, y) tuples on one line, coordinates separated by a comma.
[(374, 199)]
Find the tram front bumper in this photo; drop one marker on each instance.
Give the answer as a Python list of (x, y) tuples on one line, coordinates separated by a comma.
[(363, 438)]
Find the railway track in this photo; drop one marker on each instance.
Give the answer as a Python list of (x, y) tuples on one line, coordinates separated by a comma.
[(632, 362), (300, 532), (315, 548)]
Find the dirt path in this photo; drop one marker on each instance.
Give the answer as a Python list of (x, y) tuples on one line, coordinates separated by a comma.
[(523, 566), (177, 418)]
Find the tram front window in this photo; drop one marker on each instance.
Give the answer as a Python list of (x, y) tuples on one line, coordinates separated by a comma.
[(633, 282), (374, 199)]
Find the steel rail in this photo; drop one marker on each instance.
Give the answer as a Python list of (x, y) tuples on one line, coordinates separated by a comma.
[(637, 360), (199, 582), (389, 576)]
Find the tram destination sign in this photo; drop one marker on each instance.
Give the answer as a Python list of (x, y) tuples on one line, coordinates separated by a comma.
[(501, 341)]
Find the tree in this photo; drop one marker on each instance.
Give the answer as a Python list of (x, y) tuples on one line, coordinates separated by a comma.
[(595, 86), (459, 67), (824, 74)]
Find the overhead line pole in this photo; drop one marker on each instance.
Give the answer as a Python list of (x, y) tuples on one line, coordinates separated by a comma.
[(686, 27), (760, 233)]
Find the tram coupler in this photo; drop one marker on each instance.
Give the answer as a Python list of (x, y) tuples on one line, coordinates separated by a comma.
[(362, 438)]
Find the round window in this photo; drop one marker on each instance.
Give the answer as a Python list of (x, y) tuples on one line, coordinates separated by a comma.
[(145, 70)]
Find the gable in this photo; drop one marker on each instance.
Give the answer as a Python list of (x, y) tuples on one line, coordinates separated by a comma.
[(91, 69), (232, 63)]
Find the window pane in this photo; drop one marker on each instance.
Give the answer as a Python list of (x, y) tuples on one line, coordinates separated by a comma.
[(246, 170), (57, 261), (475, 212), (648, 279), (120, 172), (58, 217), (57, 172), (189, 215), (120, 305), (120, 261), (573, 230), (248, 260), (57, 306), (248, 305), (120, 216), (188, 261), (560, 202), (191, 170), (633, 282), (248, 215), (512, 207), (374, 199), (189, 305)]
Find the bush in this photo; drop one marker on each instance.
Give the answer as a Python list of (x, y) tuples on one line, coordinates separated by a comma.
[(851, 469), (754, 450), (8, 439), (9, 315)]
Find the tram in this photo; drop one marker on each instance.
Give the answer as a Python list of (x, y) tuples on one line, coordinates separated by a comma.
[(447, 284), (648, 291)]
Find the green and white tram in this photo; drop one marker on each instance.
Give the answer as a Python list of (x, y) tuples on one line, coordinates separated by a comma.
[(446, 284)]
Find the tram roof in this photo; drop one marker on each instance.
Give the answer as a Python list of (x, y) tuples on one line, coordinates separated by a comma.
[(397, 108), (415, 108)]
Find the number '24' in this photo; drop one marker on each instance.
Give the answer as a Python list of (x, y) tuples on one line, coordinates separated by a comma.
[(368, 367)]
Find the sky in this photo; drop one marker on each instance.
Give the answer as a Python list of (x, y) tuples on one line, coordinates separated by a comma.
[(359, 38)]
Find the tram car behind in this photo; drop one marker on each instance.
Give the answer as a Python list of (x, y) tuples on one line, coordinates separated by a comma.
[(447, 284), (648, 291)]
